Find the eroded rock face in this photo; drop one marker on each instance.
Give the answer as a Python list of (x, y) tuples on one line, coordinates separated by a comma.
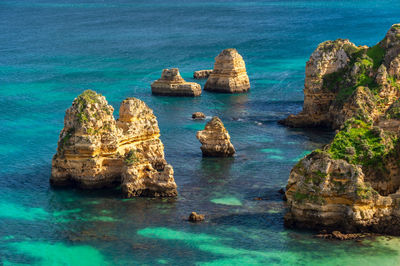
[(352, 184), (96, 151), (336, 70), (172, 84), (229, 74), (194, 217), (202, 74), (198, 116), (215, 140)]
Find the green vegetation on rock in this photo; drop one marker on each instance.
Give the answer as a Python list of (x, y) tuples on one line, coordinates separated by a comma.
[(361, 143), (131, 158), (376, 53)]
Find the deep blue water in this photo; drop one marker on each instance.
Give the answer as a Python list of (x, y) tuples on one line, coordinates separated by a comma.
[(50, 51)]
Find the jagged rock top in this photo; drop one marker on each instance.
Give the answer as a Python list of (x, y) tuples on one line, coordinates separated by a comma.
[(172, 84), (229, 74), (334, 72), (96, 151), (215, 139)]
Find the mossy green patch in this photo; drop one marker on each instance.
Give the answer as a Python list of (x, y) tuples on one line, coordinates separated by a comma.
[(131, 158), (360, 143), (376, 53)]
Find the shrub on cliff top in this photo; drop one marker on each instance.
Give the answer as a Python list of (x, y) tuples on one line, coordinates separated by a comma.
[(368, 144)]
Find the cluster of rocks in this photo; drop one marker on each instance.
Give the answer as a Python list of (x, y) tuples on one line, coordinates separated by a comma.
[(229, 75), (353, 183), (172, 84), (95, 150)]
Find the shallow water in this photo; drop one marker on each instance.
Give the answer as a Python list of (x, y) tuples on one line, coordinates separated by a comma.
[(50, 51)]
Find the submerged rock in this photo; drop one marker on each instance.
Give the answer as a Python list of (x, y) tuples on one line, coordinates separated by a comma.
[(229, 74), (172, 84), (198, 116), (194, 217), (343, 81), (96, 151), (215, 140), (202, 74)]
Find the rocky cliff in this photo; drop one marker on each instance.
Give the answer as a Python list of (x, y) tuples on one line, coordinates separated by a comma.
[(172, 84), (229, 74), (95, 150), (215, 139), (344, 80), (352, 184)]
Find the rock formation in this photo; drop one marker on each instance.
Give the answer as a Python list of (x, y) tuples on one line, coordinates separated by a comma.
[(194, 217), (94, 150), (343, 81), (229, 73), (172, 84), (353, 183), (202, 74), (215, 140), (198, 116)]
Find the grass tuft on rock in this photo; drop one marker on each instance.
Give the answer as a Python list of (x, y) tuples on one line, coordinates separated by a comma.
[(360, 143)]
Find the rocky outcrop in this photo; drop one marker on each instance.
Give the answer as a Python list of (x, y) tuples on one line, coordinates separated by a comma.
[(95, 150), (172, 84), (229, 74), (194, 217), (202, 74), (215, 140), (335, 72), (352, 184), (198, 116)]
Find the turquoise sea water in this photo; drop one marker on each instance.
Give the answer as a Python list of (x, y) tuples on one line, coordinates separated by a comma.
[(50, 51)]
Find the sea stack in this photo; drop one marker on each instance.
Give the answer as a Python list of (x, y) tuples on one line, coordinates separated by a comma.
[(342, 78), (215, 140), (352, 184), (172, 84), (202, 74), (94, 150), (229, 74)]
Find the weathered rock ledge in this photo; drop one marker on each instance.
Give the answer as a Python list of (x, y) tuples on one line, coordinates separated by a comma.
[(202, 74), (229, 74), (172, 84), (215, 140), (95, 150)]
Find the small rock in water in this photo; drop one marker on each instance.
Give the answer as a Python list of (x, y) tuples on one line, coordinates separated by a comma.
[(281, 191), (198, 116), (194, 217)]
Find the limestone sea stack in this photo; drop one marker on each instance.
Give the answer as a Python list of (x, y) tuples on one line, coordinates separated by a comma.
[(95, 150), (342, 78), (229, 74), (172, 84), (202, 74), (353, 183), (215, 140)]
